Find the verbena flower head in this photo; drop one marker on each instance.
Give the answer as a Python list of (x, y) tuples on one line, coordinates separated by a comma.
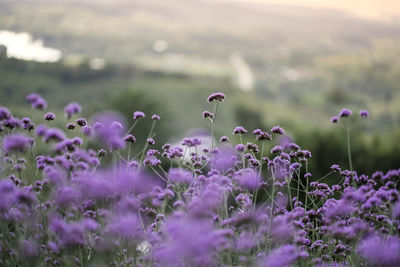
[(49, 116), (224, 139), (239, 130), (4, 113), (277, 130), (138, 115), (155, 117), (216, 97), (364, 113), (334, 119), (207, 114), (81, 122), (177, 175), (109, 127), (378, 251), (72, 108), (36, 101), (16, 143), (345, 113)]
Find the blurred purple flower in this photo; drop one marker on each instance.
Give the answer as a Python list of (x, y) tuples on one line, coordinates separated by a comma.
[(72, 108), (15, 143)]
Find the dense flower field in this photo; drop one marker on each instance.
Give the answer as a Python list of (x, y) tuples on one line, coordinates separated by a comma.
[(224, 203)]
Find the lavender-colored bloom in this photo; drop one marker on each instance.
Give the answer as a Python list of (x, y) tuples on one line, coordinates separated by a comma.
[(31, 98), (49, 116), (364, 113), (335, 167), (224, 160), (150, 141), (191, 241), (216, 97), (130, 138), (191, 142), (36, 101), (224, 139), (239, 130), (81, 122), (177, 175), (294, 167), (87, 130), (70, 126), (15, 143), (247, 178), (126, 226), (41, 130), (12, 123), (334, 119), (65, 196), (109, 129), (378, 251), (4, 113), (285, 255), (155, 117), (72, 108), (138, 115), (207, 114), (345, 113), (53, 134), (277, 130), (240, 147)]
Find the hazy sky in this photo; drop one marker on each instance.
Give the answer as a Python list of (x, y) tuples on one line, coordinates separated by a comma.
[(378, 9)]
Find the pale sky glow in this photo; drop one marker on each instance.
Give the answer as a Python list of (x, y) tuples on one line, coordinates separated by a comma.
[(22, 46), (376, 9)]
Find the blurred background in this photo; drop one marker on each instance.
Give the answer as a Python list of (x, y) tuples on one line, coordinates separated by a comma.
[(293, 63)]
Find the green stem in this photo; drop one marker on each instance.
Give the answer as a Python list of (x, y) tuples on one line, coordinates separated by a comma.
[(349, 146)]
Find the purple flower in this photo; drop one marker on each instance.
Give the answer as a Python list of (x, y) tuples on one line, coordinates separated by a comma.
[(155, 117), (223, 139), (70, 126), (4, 113), (65, 196), (15, 143), (239, 130), (138, 115), (150, 141), (53, 134), (87, 130), (378, 251), (285, 255), (216, 97), (191, 142), (247, 178), (240, 147), (334, 119), (109, 129), (177, 175), (192, 241), (49, 116), (364, 113), (126, 226), (81, 122), (72, 108), (345, 113), (36, 101), (277, 130), (130, 138), (294, 167), (207, 114)]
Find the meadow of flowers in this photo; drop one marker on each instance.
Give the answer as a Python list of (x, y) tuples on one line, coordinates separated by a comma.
[(90, 194)]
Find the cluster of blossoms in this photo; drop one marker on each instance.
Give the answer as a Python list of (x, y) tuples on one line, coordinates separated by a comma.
[(127, 204)]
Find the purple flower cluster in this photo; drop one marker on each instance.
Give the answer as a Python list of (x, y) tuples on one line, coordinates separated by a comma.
[(69, 202)]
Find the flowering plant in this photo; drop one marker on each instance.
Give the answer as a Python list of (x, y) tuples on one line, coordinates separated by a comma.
[(196, 204)]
